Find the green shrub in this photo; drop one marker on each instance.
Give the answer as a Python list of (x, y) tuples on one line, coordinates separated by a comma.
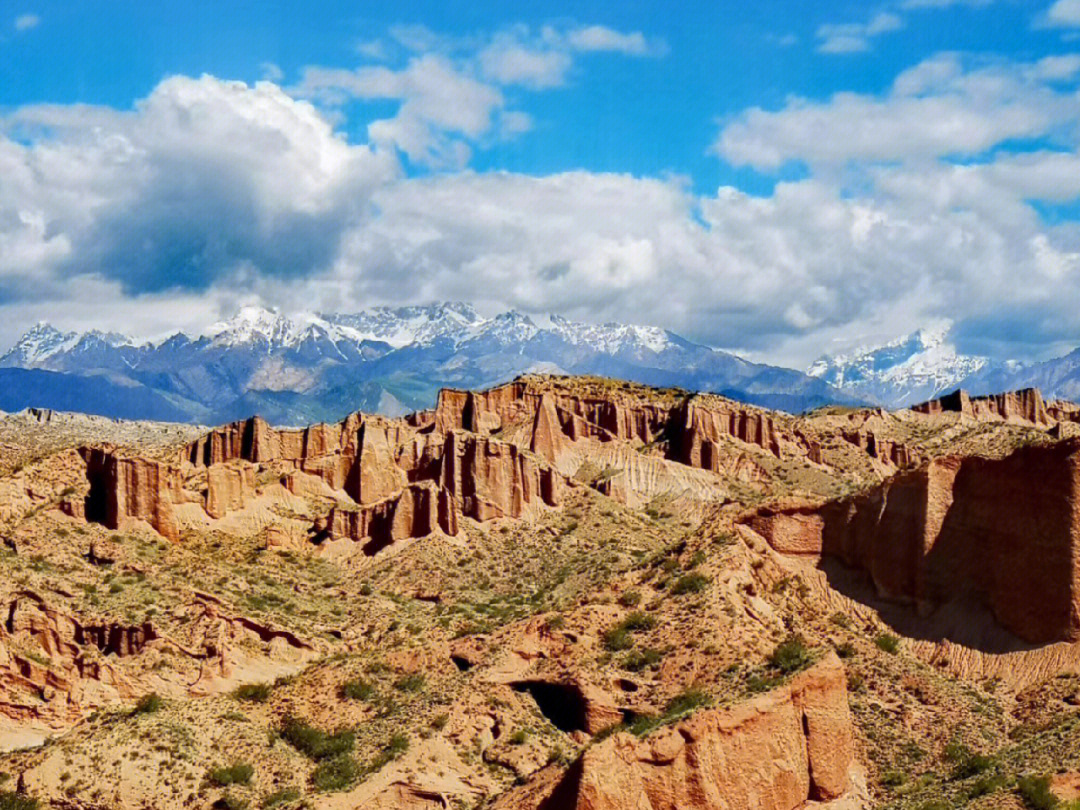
[(637, 660), (518, 737), (841, 620), (9, 800), (617, 638), (690, 583), (888, 643), (411, 683), (1036, 793), (148, 704), (630, 598), (893, 778), (336, 773), (254, 692), (790, 655), (357, 689), (239, 773), (638, 620), (314, 742), (278, 797)]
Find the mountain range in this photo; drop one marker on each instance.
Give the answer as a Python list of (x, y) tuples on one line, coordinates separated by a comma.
[(925, 364), (319, 367)]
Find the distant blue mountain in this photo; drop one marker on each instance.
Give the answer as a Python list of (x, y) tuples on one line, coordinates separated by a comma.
[(385, 360)]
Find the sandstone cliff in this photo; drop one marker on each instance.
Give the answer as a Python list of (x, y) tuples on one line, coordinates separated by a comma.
[(779, 751), (1026, 405), (1007, 530), (416, 511), (131, 488)]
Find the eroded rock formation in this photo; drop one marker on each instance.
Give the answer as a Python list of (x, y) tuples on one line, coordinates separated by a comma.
[(122, 489), (416, 511), (775, 752), (1007, 529), (1026, 405)]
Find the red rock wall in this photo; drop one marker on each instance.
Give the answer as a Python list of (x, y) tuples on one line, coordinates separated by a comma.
[(492, 479), (417, 511), (125, 488), (1007, 529), (1026, 405), (778, 751)]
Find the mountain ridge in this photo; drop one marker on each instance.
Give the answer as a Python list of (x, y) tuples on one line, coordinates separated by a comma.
[(320, 366)]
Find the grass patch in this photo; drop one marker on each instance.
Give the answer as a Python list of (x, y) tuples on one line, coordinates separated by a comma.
[(357, 689), (690, 583), (887, 642), (336, 773), (239, 773), (316, 743), (148, 704), (790, 655), (253, 692)]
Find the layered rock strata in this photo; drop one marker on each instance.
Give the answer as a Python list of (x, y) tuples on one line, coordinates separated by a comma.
[(1006, 530), (1026, 405), (780, 751)]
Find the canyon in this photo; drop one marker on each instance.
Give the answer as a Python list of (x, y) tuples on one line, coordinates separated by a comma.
[(562, 592)]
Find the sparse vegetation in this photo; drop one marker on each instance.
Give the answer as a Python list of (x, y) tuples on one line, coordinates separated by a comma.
[(314, 742), (253, 692), (239, 773)]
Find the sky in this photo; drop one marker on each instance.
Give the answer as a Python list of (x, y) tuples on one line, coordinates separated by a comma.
[(782, 178)]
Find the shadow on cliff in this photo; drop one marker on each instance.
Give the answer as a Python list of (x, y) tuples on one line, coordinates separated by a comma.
[(965, 619)]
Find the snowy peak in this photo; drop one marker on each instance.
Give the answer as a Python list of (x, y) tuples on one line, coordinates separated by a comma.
[(402, 326), (908, 369), (40, 343), (611, 338)]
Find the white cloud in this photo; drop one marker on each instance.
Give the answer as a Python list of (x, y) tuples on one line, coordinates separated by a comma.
[(601, 38), (840, 38), (209, 193), (451, 90), (1062, 14), (509, 61), (202, 178), (24, 22), (936, 108)]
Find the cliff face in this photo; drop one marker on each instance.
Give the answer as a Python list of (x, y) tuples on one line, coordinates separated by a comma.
[(492, 479), (1026, 405), (416, 511), (1006, 529), (775, 752), (131, 488)]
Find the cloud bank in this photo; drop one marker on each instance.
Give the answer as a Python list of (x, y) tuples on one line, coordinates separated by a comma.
[(209, 194)]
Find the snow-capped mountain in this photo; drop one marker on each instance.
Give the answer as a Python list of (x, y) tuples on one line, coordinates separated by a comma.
[(321, 366), (910, 369)]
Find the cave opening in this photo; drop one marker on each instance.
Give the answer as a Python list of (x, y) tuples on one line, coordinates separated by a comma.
[(563, 704)]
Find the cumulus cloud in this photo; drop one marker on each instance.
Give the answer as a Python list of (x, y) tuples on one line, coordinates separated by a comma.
[(204, 177), (1062, 14), (24, 22), (209, 194), (939, 107), (842, 38), (451, 90)]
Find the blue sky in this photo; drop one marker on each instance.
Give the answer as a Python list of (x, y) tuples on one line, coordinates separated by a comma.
[(780, 178)]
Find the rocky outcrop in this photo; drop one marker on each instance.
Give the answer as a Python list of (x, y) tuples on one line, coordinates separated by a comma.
[(492, 479), (356, 455), (228, 486), (887, 451), (699, 431), (416, 511), (1026, 405), (780, 751), (124, 489), (1006, 530)]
